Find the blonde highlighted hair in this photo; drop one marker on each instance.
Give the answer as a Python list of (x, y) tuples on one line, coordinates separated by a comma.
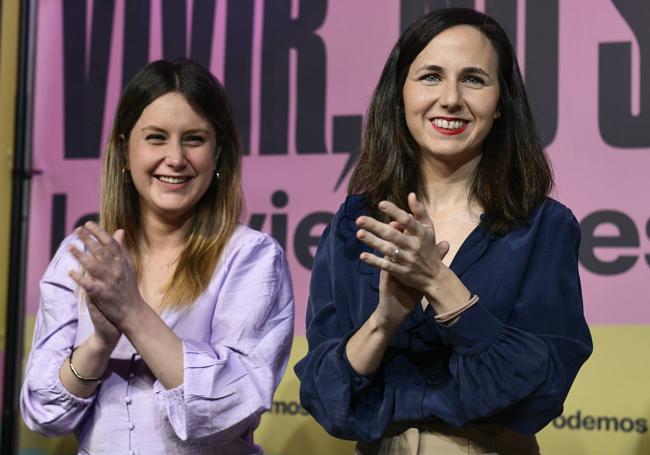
[(217, 212)]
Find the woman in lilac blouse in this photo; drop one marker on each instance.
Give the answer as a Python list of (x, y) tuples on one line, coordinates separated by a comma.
[(166, 327)]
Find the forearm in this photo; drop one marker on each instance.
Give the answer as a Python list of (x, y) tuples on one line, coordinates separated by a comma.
[(447, 292), (90, 361), (157, 344), (366, 348)]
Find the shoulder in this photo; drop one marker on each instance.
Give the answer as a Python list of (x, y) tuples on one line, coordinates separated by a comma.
[(339, 245), (249, 242), (552, 214), (63, 261), (344, 222), (551, 225), (354, 206)]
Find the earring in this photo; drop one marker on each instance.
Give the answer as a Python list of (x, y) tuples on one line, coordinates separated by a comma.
[(216, 175)]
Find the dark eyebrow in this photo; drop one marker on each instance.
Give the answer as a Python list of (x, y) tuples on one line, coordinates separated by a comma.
[(153, 128), (197, 130), (476, 70), (431, 68), (469, 69), (162, 130)]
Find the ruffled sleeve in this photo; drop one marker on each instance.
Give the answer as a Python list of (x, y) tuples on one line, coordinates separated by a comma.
[(518, 372), (510, 359), (46, 405), (229, 380), (348, 405)]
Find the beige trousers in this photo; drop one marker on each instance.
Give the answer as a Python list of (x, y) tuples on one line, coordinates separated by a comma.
[(440, 438)]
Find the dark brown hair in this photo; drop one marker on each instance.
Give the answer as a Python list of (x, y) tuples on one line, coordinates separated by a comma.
[(218, 210), (513, 175)]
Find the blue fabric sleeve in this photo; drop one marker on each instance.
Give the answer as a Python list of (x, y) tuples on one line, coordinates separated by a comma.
[(339, 398), (518, 374), (510, 362)]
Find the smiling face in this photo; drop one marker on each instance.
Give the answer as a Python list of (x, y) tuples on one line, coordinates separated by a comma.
[(171, 158), (451, 95)]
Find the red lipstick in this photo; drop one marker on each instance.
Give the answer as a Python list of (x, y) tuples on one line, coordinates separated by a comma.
[(449, 131)]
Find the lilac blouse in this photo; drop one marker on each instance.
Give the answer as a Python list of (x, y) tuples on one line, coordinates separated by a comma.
[(236, 342)]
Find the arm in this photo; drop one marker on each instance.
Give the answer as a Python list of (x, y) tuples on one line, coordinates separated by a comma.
[(90, 361), (46, 404), (516, 368), (365, 349), (111, 284), (160, 348), (513, 355), (347, 404), (208, 385), (229, 377)]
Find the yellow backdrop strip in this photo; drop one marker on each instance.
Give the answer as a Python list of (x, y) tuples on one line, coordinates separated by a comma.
[(607, 412), (8, 74)]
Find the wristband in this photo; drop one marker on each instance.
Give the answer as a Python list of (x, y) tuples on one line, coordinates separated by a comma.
[(446, 318)]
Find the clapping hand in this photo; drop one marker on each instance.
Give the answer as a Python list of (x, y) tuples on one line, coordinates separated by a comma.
[(108, 278), (411, 258)]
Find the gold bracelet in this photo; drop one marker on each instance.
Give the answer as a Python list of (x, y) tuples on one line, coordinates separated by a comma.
[(77, 375)]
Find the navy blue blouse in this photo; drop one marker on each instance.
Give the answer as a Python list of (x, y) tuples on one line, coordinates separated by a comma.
[(508, 360)]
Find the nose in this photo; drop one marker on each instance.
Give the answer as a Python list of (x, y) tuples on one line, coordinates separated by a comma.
[(450, 97), (175, 156)]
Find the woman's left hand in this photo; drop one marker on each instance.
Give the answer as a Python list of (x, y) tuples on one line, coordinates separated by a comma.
[(109, 279), (408, 244)]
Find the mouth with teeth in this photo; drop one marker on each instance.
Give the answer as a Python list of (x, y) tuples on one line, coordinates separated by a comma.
[(449, 126), (172, 180)]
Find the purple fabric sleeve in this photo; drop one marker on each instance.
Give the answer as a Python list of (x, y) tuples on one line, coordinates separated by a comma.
[(230, 380), (46, 404)]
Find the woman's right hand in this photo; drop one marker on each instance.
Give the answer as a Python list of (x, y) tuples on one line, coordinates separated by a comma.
[(396, 301), (105, 331)]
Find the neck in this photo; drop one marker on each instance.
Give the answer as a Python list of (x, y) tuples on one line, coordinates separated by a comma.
[(447, 184), (161, 235)]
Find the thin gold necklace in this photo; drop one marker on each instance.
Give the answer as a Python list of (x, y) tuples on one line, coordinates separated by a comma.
[(164, 266)]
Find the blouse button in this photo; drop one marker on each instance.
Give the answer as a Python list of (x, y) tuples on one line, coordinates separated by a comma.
[(131, 426), (435, 379), (131, 375), (127, 400)]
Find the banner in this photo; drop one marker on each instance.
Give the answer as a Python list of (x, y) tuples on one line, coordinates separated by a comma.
[(300, 75)]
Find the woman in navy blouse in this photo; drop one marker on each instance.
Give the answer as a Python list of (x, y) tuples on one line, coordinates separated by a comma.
[(445, 307)]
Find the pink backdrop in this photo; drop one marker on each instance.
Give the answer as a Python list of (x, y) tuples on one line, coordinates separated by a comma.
[(591, 175)]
